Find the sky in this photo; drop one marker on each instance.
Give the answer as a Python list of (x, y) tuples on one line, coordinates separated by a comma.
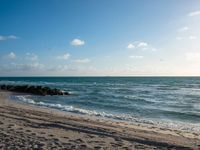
[(99, 38)]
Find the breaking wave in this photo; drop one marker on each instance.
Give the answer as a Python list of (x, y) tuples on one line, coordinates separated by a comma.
[(190, 127)]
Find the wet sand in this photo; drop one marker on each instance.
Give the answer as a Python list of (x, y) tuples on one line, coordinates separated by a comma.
[(30, 127)]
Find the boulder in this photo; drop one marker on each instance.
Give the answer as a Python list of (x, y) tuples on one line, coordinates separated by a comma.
[(37, 90)]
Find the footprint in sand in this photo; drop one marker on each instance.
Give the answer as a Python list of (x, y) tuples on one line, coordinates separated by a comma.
[(90, 136), (65, 137), (79, 141), (11, 129), (97, 147), (118, 139), (42, 132), (55, 139), (139, 146), (28, 130), (33, 133), (10, 125), (73, 146), (83, 146), (102, 136)]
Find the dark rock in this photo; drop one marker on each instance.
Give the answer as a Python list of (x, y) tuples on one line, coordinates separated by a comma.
[(37, 90)]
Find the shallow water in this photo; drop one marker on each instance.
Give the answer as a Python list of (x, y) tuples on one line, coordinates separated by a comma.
[(172, 102)]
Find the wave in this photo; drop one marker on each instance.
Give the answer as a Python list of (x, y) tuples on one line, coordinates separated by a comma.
[(140, 99), (69, 108), (168, 124), (73, 109)]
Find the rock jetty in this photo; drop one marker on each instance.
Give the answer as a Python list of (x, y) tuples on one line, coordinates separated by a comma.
[(36, 90)]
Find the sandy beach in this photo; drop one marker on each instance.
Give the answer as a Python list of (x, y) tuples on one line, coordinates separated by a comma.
[(30, 127)]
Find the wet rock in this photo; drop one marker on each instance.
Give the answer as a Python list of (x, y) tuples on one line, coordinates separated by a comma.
[(37, 90)]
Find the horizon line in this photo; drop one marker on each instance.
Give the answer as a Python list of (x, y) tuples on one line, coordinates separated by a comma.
[(102, 76)]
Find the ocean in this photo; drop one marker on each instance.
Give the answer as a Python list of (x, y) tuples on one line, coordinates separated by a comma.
[(168, 102)]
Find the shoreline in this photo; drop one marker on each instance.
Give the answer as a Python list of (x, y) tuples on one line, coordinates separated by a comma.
[(189, 130), (46, 127)]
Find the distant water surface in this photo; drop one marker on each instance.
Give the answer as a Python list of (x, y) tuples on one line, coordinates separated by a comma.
[(171, 102)]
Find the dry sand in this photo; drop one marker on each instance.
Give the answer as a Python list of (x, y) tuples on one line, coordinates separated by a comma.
[(30, 127)]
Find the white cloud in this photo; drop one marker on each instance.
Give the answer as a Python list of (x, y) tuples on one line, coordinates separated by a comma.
[(142, 44), (3, 38), (194, 13), (179, 38), (64, 57), (186, 38), (12, 37), (31, 56), (183, 29), (192, 37), (82, 61), (153, 49), (130, 46), (77, 42), (59, 68), (136, 57), (11, 55), (32, 66), (13, 67), (192, 56)]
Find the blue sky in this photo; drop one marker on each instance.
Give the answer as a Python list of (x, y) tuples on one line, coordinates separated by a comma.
[(99, 38)]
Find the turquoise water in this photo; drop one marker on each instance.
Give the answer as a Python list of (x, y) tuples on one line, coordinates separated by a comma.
[(171, 102)]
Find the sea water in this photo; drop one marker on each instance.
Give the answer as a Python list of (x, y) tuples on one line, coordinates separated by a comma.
[(170, 102)]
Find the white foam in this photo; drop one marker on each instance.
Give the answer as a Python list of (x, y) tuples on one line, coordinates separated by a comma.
[(190, 127), (24, 99), (197, 106)]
